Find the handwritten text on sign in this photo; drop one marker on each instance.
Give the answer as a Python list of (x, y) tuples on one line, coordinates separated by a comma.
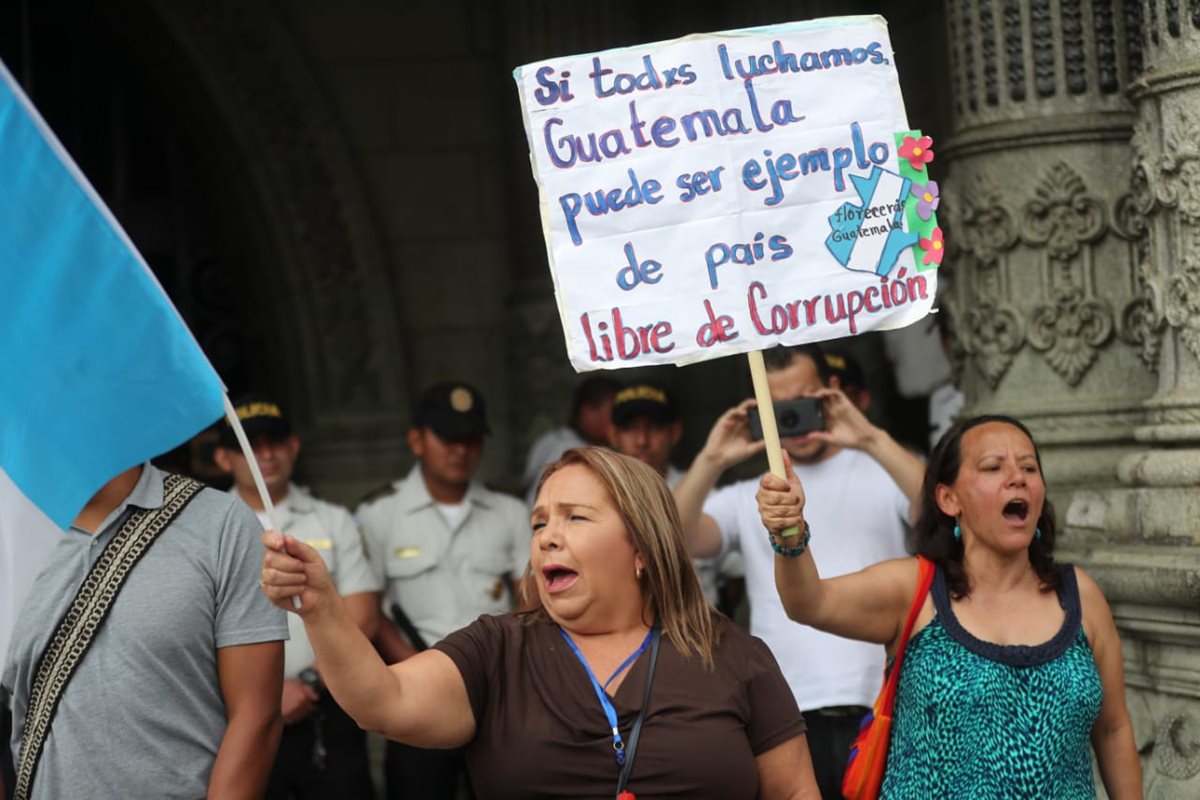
[(724, 193)]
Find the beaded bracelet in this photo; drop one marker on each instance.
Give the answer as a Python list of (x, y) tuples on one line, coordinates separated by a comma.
[(791, 552)]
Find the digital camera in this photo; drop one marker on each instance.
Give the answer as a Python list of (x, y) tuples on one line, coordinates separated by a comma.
[(793, 418)]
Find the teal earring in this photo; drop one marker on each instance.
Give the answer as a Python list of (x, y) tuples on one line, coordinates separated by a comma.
[(1037, 534), (957, 533)]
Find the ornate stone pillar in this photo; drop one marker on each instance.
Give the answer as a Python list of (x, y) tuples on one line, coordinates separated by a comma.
[(1162, 216), (1157, 602), (1043, 287), (1075, 295)]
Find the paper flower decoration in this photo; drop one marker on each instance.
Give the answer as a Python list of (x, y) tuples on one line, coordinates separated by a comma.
[(934, 248), (917, 151), (927, 199)]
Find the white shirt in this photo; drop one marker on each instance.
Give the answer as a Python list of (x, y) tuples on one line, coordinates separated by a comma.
[(945, 402), (856, 514), (330, 530), (712, 572), (444, 577)]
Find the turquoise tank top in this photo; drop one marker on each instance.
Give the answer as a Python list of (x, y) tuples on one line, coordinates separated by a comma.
[(981, 721)]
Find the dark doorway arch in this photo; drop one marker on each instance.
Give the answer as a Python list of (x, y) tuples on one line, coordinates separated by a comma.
[(201, 127)]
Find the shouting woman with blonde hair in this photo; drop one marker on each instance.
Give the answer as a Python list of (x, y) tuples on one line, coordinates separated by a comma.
[(623, 677)]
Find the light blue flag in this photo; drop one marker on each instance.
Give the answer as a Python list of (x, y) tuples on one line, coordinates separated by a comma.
[(98, 372)]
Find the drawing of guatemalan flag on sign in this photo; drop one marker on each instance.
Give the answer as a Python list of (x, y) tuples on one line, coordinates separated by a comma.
[(731, 191)]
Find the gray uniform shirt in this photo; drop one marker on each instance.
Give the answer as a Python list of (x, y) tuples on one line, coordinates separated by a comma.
[(143, 715), (442, 577), (330, 530)]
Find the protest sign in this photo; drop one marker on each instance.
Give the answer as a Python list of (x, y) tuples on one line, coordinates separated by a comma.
[(732, 191)]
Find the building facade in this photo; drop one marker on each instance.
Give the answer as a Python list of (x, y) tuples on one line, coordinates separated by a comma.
[(338, 197)]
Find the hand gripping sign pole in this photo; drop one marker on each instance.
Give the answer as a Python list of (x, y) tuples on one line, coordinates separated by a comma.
[(766, 414)]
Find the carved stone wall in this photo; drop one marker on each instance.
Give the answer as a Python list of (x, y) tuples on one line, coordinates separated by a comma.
[(1073, 207), (1162, 503), (1037, 167)]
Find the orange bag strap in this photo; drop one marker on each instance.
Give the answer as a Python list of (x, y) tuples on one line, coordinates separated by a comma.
[(925, 571)]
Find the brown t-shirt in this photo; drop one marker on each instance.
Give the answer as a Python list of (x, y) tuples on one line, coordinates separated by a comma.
[(540, 731)]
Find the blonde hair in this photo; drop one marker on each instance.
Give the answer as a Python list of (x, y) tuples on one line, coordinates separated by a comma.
[(651, 519)]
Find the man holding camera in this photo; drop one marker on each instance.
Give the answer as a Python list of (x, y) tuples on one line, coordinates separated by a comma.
[(860, 484), (322, 752)]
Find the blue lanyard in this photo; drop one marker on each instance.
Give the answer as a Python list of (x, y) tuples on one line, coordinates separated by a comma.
[(609, 712)]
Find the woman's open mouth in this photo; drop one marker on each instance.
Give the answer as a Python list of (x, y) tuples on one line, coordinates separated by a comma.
[(1016, 511), (558, 578)]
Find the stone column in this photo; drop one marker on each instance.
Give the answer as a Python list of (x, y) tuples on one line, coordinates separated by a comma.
[(1156, 594), (1075, 294), (1041, 273)]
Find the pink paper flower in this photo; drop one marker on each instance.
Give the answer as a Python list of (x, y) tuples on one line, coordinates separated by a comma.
[(927, 199), (934, 248), (917, 151)]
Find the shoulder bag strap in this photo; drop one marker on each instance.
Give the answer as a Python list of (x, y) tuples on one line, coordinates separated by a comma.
[(636, 732), (925, 570), (89, 609)]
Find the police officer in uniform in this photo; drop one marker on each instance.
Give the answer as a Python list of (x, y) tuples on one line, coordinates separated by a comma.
[(449, 549), (323, 752)]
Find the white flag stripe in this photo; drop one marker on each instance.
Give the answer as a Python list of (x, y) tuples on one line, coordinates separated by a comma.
[(27, 537)]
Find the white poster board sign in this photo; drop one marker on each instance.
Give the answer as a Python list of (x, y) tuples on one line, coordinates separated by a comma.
[(727, 192)]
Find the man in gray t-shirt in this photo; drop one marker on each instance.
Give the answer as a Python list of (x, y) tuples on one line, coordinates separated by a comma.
[(178, 695)]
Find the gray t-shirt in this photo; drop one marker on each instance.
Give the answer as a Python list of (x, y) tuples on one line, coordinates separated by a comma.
[(143, 715)]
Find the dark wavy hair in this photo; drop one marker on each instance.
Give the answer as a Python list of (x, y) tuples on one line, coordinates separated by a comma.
[(782, 356), (935, 529)]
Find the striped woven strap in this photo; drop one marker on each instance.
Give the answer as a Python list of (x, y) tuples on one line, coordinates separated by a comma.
[(86, 614)]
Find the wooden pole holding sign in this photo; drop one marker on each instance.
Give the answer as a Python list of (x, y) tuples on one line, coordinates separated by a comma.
[(766, 414)]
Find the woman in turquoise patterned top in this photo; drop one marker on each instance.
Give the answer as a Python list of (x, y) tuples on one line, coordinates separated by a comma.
[(1014, 666)]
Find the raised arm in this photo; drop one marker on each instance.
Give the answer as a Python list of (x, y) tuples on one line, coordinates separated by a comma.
[(867, 605), (728, 443), (847, 427), (421, 701), (363, 608), (392, 647), (1112, 735)]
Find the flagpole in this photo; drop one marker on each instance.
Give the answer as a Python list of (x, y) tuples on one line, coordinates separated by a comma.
[(259, 483), (248, 452)]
